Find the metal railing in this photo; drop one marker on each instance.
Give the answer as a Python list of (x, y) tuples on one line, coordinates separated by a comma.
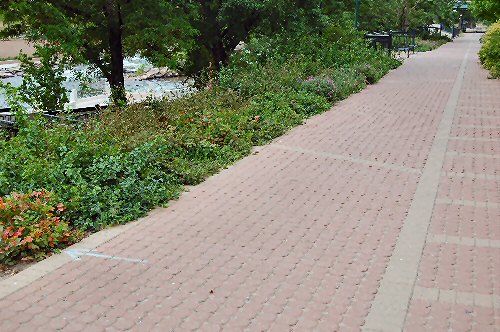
[(76, 116)]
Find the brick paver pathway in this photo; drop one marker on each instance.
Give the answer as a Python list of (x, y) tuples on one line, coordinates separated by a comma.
[(382, 214)]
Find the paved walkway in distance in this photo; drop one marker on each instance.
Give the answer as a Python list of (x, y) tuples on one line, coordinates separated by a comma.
[(382, 214)]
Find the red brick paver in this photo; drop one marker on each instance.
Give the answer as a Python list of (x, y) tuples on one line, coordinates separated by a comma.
[(298, 235), (463, 265)]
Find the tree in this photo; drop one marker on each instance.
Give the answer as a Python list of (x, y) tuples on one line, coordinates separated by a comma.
[(418, 13), (376, 15), (42, 85), (487, 10), (222, 24), (102, 32)]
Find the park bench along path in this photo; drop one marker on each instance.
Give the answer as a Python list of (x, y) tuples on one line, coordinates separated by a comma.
[(382, 214)]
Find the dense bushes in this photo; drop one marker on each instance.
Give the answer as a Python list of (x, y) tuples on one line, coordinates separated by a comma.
[(100, 182), (32, 225), (490, 51), (116, 167)]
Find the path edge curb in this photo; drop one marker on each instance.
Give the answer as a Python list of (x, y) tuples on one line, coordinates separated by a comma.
[(40, 269)]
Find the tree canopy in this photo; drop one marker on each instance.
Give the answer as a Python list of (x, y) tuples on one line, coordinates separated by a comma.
[(223, 24), (102, 32), (487, 10), (402, 14)]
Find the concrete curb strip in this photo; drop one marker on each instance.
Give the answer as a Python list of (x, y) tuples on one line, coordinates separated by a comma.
[(52, 263), (390, 307)]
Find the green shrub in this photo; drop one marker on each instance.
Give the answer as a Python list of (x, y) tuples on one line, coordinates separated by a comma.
[(308, 104), (323, 86), (102, 183), (272, 116), (31, 226), (490, 51), (425, 45)]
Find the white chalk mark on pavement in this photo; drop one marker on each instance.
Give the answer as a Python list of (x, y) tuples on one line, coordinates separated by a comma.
[(77, 254)]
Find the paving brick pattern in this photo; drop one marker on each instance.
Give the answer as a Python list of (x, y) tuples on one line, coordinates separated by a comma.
[(442, 316), (472, 164), (466, 221), (298, 235), (468, 268)]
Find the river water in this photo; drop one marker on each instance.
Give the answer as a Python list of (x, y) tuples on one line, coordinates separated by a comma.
[(99, 86)]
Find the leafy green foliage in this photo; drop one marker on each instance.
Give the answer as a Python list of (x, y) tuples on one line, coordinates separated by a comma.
[(31, 226), (414, 14), (487, 10), (490, 51), (323, 86), (42, 86), (375, 15), (101, 183), (223, 24)]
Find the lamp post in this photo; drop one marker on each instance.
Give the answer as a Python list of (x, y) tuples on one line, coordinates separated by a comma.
[(357, 14)]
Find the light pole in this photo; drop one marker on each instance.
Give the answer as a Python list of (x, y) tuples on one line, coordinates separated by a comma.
[(357, 14)]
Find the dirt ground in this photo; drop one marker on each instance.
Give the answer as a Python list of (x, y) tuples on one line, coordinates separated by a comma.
[(11, 48), (8, 271)]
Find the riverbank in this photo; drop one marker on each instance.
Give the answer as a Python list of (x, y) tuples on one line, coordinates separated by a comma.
[(9, 49)]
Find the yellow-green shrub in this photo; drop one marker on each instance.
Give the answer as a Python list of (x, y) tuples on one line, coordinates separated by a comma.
[(490, 51)]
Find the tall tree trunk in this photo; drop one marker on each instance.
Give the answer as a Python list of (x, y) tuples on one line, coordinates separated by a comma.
[(219, 55), (116, 78), (212, 36)]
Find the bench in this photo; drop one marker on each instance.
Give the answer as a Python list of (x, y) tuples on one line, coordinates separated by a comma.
[(380, 40), (397, 41), (404, 42)]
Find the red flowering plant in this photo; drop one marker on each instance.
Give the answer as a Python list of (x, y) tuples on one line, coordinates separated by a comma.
[(32, 226)]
